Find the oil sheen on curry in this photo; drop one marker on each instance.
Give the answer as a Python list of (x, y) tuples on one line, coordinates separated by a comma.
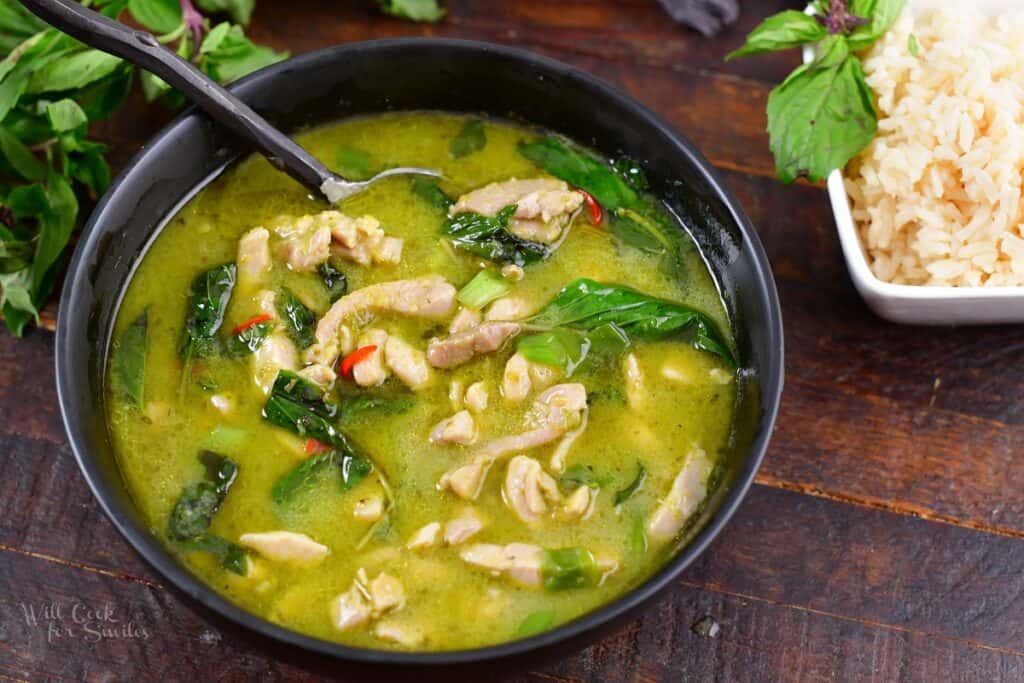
[(441, 415)]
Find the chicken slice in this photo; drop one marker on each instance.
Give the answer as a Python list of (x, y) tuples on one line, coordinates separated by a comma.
[(285, 546), (304, 243), (463, 527), (466, 319), (476, 397), (520, 562), (688, 490), (369, 509), (407, 362), (459, 348), (560, 406), (318, 374), (527, 489), (276, 353), (508, 308), (544, 206), (634, 380), (362, 240), (350, 609), (577, 505), (465, 481), (370, 371), (399, 633), (253, 255), (426, 297), (457, 429), (425, 537), (386, 593), (515, 382)]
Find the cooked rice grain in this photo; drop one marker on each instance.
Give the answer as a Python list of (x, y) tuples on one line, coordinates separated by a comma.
[(937, 194)]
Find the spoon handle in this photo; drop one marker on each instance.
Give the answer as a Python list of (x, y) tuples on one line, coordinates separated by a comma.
[(142, 49)]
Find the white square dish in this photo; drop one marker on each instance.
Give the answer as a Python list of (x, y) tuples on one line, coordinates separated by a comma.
[(919, 304)]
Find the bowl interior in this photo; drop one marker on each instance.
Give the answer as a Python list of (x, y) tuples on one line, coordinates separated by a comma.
[(414, 74)]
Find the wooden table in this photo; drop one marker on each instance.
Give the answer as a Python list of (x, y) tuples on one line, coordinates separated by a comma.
[(882, 541)]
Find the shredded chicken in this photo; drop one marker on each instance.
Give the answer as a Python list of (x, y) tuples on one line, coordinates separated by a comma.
[(463, 527), (465, 320), (407, 362), (528, 488), (318, 374), (386, 593), (304, 243), (253, 255), (366, 600), (515, 382), (458, 429), (687, 491), (509, 308), (285, 546), (425, 537), (426, 297), (277, 352), (399, 633), (370, 371), (362, 240), (476, 397), (369, 509), (459, 348), (350, 609), (544, 206), (578, 504), (520, 562)]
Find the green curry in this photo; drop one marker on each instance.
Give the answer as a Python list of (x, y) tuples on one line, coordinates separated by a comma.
[(438, 416)]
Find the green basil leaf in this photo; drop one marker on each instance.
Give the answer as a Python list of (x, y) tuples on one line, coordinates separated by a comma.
[(207, 304), (822, 115), (128, 361), (159, 16), (233, 557), (536, 622), (560, 347), (582, 475), (299, 320), (301, 477), (581, 170), (882, 13), (638, 536), (374, 406), (622, 495), (781, 31), (235, 56), (193, 512), (334, 280), (353, 164), (414, 10), (17, 300), (65, 116), (19, 157), (566, 568), (88, 167), (55, 227), (101, 98), (248, 340), (215, 37), (471, 138), (430, 192), (28, 201), (74, 71), (240, 11), (489, 236)]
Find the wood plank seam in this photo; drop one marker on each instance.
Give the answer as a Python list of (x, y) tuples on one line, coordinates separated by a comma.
[(81, 565)]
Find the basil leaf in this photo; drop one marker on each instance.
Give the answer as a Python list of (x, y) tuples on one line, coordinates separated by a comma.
[(208, 302), (299, 320), (55, 226), (233, 557), (249, 339), (622, 495), (240, 11), (159, 16), (586, 305), (414, 10), (566, 349), (128, 361), (430, 192), (882, 13), (334, 280), (582, 475), (193, 512), (301, 477), (581, 170), (489, 236), (71, 72), (781, 31), (536, 622), (65, 116), (18, 156), (303, 407), (234, 56), (565, 568), (100, 98), (353, 470), (638, 536), (353, 164), (472, 138), (822, 115), (358, 407)]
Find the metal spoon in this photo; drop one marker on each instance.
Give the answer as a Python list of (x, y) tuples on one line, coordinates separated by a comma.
[(143, 50)]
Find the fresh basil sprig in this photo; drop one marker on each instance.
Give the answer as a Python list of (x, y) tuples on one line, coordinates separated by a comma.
[(824, 113), (51, 89)]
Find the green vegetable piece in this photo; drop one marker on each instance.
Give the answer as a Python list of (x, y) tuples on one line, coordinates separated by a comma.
[(71, 72), (334, 280), (232, 55), (582, 475), (194, 510), (912, 47), (632, 173), (225, 438), (159, 16), (566, 568), (353, 164), (472, 138), (781, 31), (207, 303), (249, 339), (638, 536), (822, 115), (566, 349), (485, 287), (353, 469), (430, 192), (303, 408), (414, 10), (490, 237), (536, 622), (580, 169), (300, 322), (128, 359), (377, 405), (240, 11), (585, 305), (622, 495), (232, 557), (882, 15)]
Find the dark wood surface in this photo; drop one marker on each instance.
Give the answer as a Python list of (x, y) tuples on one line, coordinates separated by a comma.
[(883, 541)]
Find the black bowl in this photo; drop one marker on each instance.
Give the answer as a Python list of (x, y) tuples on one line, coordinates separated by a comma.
[(388, 75)]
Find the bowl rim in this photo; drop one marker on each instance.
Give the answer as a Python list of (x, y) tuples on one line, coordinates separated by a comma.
[(146, 544)]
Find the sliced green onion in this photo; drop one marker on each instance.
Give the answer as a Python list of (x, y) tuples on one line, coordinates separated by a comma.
[(483, 289), (564, 568)]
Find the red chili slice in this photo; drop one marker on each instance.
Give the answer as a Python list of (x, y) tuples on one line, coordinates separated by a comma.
[(313, 447), (360, 354), (596, 214), (252, 321)]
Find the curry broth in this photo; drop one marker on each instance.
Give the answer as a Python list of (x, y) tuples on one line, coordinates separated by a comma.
[(455, 605)]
